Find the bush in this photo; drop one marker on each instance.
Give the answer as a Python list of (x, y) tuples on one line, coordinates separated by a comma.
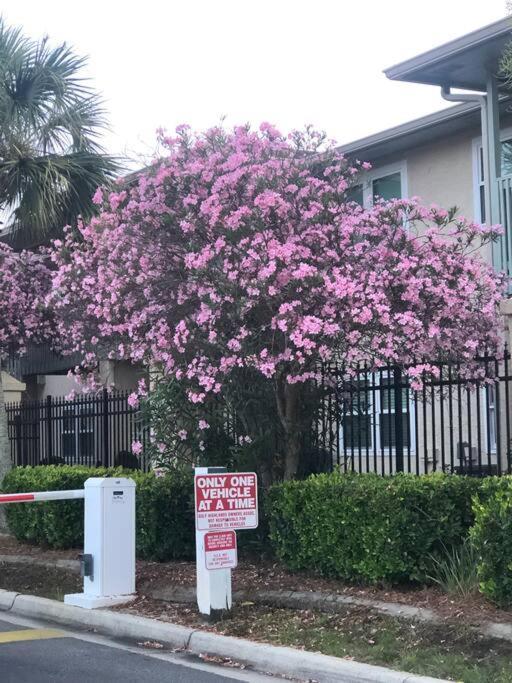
[(164, 509), (456, 573), (368, 527), (492, 538)]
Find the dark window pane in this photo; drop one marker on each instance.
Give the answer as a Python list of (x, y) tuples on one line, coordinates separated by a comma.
[(355, 194), (68, 446), (85, 445), (387, 396), (388, 187), (357, 431), (387, 430), (506, 157), (482, 204)]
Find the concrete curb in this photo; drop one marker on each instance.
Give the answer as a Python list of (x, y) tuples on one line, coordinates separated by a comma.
[(69, 565), (324, 602), (261, 657)]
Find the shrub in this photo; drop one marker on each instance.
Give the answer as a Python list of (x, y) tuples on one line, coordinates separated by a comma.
[(456, 571), (368, 527), (164, 509), (492, 537)]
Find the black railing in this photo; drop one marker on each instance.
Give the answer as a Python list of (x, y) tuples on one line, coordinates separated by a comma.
[(94, 430), (366, 421), (375, 421)]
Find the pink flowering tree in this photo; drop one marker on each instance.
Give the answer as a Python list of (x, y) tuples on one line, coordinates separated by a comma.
[(24, 283), (238, 253)]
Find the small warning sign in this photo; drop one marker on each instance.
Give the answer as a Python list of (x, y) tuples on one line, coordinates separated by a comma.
[(220, 550)]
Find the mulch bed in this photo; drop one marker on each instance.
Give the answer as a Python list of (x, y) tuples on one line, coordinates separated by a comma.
[(266, 575)]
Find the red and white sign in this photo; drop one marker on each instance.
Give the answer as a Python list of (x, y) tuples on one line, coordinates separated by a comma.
[(226, 501), (220, 550)]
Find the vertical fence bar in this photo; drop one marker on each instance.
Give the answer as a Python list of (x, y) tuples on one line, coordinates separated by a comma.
[(399, 433), (450, 416), (106, 434), (49, 430), (497, 410), (433, 425), (506, 379), (441, 416), (479, 429)]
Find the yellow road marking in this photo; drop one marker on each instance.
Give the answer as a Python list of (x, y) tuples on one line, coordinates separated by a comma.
[(30, 634)]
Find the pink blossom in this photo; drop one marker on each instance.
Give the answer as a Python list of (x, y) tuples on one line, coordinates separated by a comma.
[(137, 447)]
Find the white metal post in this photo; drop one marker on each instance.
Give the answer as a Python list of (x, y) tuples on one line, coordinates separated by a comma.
[(213, 586), (109, 540)]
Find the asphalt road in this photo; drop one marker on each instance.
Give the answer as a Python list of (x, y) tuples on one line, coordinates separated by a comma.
[(39, 653)]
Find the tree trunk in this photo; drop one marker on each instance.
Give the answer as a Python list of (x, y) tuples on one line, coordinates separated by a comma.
[(288, 404)]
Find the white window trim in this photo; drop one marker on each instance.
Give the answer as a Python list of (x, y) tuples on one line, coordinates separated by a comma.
[(367, 177), (505, 134)]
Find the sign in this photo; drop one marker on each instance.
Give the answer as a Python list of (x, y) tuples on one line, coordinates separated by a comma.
[(220, 550), (226, 501)]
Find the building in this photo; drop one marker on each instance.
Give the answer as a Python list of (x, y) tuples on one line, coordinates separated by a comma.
[(460, 156)]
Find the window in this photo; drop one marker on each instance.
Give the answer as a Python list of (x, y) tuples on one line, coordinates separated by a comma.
[(388, 182), (387, 430), (368, 419), (77, 433), (506, 170), (357, 415)]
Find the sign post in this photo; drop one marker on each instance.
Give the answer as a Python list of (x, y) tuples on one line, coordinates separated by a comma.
[(224, 502)]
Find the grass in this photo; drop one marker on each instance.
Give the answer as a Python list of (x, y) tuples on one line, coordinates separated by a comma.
[(449, 650), (452, 652), (456, 571)]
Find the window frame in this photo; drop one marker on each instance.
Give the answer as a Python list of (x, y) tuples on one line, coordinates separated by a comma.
[(367, 179), (478, 183), (376, 410)]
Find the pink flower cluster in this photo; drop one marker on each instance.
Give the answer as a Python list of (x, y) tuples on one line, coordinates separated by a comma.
[(24, 283), (240, 250)]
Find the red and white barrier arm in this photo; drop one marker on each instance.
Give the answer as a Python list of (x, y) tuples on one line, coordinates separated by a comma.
[(40, 496)]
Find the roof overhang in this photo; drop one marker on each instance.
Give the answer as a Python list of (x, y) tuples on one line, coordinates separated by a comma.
[(464, 63), (449, 122)]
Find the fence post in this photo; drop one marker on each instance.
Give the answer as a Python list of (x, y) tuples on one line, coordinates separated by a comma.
[(399, 433), (49, 430), (106, 434)]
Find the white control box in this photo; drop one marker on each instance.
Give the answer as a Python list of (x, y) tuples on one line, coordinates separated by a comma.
[(109, 537)]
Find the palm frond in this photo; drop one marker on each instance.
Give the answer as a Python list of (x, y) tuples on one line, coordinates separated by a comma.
[(51, 122)]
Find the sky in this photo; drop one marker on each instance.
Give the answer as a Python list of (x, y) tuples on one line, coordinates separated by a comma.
[(159, 63)]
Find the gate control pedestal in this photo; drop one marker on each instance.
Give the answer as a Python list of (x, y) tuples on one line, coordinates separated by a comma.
[(108, 562)]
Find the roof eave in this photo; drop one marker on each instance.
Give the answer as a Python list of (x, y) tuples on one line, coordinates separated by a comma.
[(404, 71)]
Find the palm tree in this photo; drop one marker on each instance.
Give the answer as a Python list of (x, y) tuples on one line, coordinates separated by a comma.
[(51, 160)]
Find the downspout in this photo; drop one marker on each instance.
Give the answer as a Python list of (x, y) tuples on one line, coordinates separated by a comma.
[(482, 101), (491, 161)]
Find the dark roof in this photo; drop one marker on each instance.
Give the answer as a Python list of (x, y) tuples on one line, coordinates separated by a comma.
[(462, 63)]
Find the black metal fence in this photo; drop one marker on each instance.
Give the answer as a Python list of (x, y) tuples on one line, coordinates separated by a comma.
[(366, 421), (374, 421), (89, 430)]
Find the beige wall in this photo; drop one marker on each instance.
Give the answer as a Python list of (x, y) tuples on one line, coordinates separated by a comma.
[(13, 389), (442, 173)]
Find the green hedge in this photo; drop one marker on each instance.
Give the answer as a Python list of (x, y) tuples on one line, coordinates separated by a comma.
[(164, 509), (492, 538), (368, 527)]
